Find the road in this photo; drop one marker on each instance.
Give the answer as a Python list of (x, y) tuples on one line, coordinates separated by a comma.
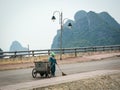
[(24, 75)]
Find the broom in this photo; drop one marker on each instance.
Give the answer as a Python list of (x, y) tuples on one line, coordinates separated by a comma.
[(63, 74)]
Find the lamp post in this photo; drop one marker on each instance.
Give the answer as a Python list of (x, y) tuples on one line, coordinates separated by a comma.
[(28, 50), (61, 22)]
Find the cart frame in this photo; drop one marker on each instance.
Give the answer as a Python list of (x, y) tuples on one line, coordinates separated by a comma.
[(43, 68)]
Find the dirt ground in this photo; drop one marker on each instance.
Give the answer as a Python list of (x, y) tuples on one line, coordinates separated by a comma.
[(105, 82)]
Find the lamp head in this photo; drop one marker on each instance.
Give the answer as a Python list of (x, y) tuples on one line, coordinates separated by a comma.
[(53, 18), (69, 25)]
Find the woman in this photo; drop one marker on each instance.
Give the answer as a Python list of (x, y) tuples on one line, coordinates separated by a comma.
[(53, 63)]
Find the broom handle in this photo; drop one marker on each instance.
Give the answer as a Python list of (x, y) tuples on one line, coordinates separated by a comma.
[(59, 68)]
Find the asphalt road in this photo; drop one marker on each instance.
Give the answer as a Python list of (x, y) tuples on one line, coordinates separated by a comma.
[(25, 75)]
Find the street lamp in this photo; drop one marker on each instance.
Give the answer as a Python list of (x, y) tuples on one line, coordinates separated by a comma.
[(61, 22)]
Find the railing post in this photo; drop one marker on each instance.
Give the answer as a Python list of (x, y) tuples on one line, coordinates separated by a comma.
[(15, 53), (85, 49), (48, 52), (111, 48), (119, 48), (75, 53), (63, 51), (103, 48), (94, 49), (32, 53)]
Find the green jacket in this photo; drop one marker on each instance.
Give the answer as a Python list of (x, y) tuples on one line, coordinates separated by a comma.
[(52, 61)]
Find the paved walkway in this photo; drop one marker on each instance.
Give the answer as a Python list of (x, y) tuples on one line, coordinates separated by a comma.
[(64, 61), (57, 80)]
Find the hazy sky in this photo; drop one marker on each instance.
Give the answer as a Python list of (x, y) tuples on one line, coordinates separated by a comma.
[(29, 21)]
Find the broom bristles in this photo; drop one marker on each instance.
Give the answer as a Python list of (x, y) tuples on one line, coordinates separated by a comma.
[(63, 74)]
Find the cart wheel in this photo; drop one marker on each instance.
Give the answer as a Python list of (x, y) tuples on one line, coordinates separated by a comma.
[(46, 75), (34, 73)]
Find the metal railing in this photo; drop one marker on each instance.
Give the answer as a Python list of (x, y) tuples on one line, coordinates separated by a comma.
[(13, 54)]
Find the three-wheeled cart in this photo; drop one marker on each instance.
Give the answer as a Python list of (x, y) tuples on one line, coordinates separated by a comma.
[(43, 68)]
